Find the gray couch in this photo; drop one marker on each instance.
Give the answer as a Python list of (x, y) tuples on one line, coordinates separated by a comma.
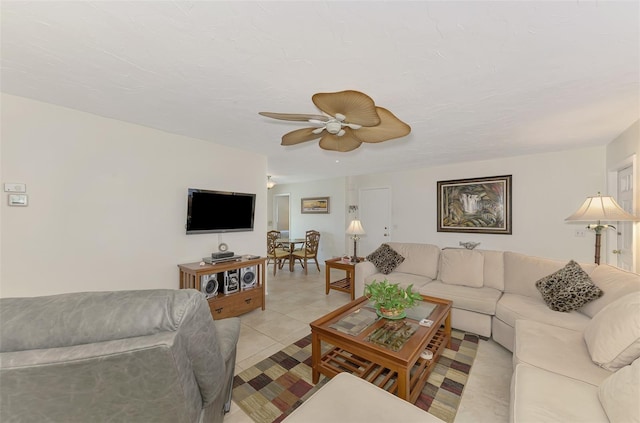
[(134, 356)]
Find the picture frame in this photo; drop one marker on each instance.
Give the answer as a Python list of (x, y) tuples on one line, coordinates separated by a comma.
[(314, 205), (475, 205)]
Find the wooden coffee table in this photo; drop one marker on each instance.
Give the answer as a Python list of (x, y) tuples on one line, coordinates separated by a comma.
[(402, 372)]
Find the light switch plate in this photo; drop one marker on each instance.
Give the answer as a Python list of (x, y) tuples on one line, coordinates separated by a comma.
[(9, 187), (18, 200)]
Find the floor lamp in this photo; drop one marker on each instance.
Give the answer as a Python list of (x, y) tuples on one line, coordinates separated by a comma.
[(355, 230), (598, 209)]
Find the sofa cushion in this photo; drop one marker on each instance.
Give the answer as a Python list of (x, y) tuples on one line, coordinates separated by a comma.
[(521, 272), (619, 394), (559, 350), (461, 267), (614, 282), (539, 395), (512, 307), (493, 269), (568, 289), (402, 279), (385, 258), (419, 259), (613, 335), (482, 300)]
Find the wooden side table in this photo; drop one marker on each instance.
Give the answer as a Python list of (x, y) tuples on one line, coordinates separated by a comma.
[(346, 284)]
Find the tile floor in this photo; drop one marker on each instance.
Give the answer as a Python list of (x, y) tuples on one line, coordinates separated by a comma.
[(295, 299)]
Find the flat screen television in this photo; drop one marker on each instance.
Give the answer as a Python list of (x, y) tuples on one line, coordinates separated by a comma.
[(219, 211)]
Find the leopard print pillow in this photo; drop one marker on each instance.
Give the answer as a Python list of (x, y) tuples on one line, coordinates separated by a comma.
[(568, 289), (385, 259)]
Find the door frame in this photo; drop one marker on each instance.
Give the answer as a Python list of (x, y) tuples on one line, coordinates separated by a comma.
[(276, 214), (612, 188)]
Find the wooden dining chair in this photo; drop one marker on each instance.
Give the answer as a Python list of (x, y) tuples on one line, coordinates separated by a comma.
[(309, 251), (274, 252)]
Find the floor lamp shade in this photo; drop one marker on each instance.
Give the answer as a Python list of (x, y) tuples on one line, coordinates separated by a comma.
[(596, 210), (355, 230)]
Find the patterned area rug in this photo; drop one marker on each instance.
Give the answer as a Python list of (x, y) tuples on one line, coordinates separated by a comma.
[(276, 386)]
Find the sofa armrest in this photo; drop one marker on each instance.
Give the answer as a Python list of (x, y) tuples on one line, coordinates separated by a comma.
[(135, 379), (363, 269)]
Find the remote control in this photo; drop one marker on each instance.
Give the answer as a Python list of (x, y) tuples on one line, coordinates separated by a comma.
[(426, 322), (426, 354)]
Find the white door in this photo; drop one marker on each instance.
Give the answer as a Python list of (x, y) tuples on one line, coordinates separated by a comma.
[(624, 248), (282, 214), (375, 216)]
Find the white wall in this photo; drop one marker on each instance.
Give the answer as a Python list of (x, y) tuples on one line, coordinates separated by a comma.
[(546, 189), (332, 226), (107, 201)]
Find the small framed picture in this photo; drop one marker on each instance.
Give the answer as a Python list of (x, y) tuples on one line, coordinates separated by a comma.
[(315, 205), (478, 205)]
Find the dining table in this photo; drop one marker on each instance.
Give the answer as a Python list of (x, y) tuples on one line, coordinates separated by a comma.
[(292, 246)]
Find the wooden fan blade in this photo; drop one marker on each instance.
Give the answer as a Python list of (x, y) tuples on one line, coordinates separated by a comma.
[(299, 135), (358, 108), (390, 127), (345, 143), (293, 116)]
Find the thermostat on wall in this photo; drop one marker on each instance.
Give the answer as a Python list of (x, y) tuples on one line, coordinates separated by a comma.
[(18, 200)]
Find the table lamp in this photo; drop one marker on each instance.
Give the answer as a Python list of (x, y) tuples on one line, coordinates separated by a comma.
[(355, 230), (599, 208)]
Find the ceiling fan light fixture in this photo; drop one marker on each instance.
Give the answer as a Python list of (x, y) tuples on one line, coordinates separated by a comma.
[(270, 183)]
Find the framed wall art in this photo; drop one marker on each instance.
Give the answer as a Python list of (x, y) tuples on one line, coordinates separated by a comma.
[(315, 205), (478, 205)]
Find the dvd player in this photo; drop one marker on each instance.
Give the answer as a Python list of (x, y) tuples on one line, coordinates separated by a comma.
[(221, 254), (210, 260)]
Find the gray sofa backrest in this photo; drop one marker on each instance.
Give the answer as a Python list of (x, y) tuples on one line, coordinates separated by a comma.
[(88, 317), (125, 356)]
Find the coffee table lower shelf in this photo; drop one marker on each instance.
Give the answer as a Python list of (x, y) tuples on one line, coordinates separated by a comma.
[(339, 360)]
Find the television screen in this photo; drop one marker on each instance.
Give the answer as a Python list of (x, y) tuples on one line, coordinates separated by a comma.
[(219, 211)]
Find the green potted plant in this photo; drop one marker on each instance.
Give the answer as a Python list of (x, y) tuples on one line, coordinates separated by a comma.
[(390, 300)]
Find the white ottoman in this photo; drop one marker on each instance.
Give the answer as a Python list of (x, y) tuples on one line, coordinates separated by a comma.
[(349, 399)]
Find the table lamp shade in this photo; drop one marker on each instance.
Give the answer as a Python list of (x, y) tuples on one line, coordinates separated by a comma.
[(355, 228)]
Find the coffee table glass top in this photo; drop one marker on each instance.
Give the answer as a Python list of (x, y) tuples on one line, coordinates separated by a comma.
[(394, 334), (354, 323)]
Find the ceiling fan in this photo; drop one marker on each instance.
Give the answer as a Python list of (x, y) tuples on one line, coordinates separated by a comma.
[(349, 118)]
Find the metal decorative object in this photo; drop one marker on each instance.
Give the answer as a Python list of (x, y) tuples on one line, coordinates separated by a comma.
[(469, 245)]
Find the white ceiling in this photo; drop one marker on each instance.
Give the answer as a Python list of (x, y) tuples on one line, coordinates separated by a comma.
[(475, 80)]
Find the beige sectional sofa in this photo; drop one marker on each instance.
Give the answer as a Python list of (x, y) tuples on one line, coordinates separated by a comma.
[(558, 376)]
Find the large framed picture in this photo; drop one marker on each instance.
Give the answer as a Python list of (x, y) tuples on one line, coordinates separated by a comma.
[(315, 205), (478, 205)]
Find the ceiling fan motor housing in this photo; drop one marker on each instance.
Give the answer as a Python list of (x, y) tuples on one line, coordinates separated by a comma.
[(334, 127)]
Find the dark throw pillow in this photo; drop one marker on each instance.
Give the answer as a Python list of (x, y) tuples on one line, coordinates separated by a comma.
[(385, 259), (568, 289)]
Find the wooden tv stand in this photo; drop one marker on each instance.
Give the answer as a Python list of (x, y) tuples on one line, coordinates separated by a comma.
[(231, 304)]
